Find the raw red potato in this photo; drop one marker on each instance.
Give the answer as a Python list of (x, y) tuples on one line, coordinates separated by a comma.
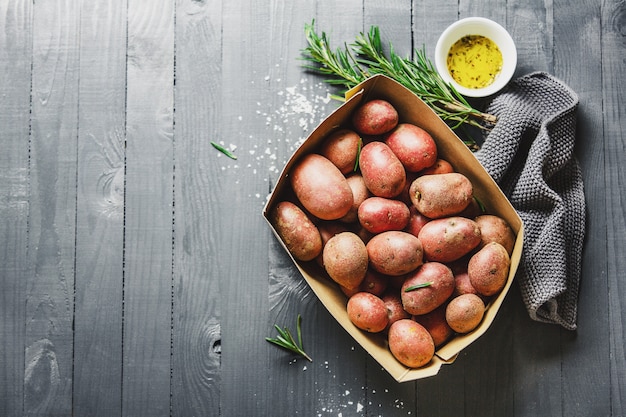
[(489, 268), (465, 312), (463, 285), (367, 312), (427, 288), (345, 259), (395, 311), (410, 343), (300, 235), (321, 187), (496, 229), (360, 193), (374, 282), (416, 221), (394, 252), (378, 214), (441, 166), (436, 324), (413, 146), (449, 238), (375, 117), (382, 171), (342, 149), (441, 195)]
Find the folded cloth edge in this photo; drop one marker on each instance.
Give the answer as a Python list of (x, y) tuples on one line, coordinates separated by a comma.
[(529, 152)]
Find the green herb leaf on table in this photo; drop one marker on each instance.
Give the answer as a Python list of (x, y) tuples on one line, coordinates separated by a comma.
[(224, 150), (286, 340), (354, 63)]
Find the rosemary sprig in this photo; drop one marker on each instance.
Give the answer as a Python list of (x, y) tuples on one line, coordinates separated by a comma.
[(224, 150), (286, 340), (418, 286), (365, 57), (338, 64)]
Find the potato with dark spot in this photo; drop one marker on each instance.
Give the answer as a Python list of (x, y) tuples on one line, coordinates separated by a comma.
[(345, 259), (441, 195), (395, 311), (382, 171), (375, 117), (436, 324), (378, 214), (394, 252), (441, 166), (496, 229), (342, 149), (427, 288), (488, 269), (465, 312), (321, 188), (410, 343), (416, 221), (463, 285), (367, 312), (301, 237), (374, 283), (449, 238)]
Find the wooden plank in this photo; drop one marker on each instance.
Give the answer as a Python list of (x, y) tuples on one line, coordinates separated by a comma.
[(50, 296), (198, 230), (149, 208), (613, 18), (100, 210), (15, 86), (269, 36), (587, 352), (531, 26), (430, 18)]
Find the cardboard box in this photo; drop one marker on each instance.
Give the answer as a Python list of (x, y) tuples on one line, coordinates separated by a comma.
[(411, 110)]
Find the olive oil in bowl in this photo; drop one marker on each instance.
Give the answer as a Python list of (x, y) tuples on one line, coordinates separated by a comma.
[(476, 56), (474, 61)]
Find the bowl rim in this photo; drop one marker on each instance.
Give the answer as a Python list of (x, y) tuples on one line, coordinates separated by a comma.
[(477, 26)]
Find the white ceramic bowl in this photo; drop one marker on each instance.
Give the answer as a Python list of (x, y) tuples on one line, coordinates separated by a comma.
[(489, 29)]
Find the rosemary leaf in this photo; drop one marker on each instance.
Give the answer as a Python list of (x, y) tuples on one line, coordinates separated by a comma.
[(418, 286), (224, 150), (358, 155)]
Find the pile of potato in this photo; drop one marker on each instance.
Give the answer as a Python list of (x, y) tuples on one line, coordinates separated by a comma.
[(398, 230)]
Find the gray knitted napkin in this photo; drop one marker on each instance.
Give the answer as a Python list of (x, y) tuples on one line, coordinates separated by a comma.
[(529, 153)]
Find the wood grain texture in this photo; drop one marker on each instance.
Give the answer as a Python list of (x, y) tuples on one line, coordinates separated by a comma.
[(50, 293), (198, 228), (613, 43), (100, 210), (137, 274), (148, 236), (577, 38), (15, 87)]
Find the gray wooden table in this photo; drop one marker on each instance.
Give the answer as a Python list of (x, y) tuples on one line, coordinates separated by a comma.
[(137, 275)]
